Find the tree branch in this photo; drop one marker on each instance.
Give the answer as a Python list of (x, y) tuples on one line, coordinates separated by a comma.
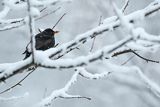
[(31, 30), (17, 84), (132, 51)]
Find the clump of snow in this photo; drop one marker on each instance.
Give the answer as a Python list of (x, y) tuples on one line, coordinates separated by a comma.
[(35, 12)]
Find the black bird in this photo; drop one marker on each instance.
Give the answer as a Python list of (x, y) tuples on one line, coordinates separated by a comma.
[(44, 40)]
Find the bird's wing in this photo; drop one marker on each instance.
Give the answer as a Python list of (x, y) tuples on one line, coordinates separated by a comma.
[(42, 37), (43, 44)]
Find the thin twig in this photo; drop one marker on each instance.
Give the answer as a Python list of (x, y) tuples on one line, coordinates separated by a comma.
[(14, 21), (133, 51), (58, 20), (88, 98), (23, 21), (150, 10), (45, 92), (48, 14), (100, 22), (125, 6), (43, 9), (17, 84)]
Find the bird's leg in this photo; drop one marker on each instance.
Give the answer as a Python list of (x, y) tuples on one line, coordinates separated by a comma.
[(56, 45), (39, 30)]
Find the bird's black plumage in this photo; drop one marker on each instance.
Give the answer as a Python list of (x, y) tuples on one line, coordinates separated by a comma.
[(44, 40)]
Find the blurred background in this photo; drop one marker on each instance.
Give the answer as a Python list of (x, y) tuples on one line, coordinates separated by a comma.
[(117, 90)]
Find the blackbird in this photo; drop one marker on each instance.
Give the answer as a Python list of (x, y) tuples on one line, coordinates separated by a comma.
[(44, 40)]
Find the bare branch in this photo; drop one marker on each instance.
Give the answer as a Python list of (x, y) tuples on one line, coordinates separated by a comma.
[(17, 84), (47, 14), (132, 51), (62, 93), (59, 20), (125, 5), (100, 22)]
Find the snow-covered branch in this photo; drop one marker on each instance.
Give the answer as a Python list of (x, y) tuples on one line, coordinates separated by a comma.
[(14, 97), (8, 24), (125, 5), (136, 38), (128, 69), (41, 59), (67, 47), (84, 73), (31, 27), (62, 93), (97, 31)]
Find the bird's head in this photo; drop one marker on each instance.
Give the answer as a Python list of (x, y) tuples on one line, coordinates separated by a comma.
[(49, 31)]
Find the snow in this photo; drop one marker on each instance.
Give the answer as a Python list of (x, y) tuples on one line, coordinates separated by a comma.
[(43, 58), (60, 92), (8, 69), (142, 34), (124, 69), (13, 98), (4, 12), (124, 21), (35, 12), (79, 61)]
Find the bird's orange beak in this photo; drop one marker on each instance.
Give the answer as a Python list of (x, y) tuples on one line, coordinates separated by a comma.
[(55, 32)]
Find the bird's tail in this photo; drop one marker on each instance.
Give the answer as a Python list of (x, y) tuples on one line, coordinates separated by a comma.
[(27, 54)]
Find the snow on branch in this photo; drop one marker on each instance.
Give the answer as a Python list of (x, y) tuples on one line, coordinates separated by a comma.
[(43, 60), (138, 34), (14, 4), (31, 28), (144, 41), (82, 61), (84, 73), (123, 20), (62, 93), (82, 38), (14, 97), (141, 34), (150, 84), (4, 12), (16, 23), (67, 47), (9, 69), (18, 83), (155, 88), (9, 5)]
